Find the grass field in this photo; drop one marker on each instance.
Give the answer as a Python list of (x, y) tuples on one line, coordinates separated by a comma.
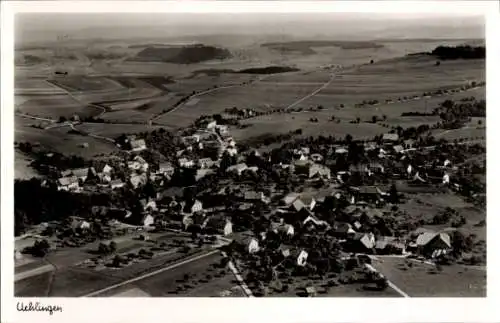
[(417, 281), (205, 281), (22, 167), (36, 286), (284, 123), (113, 130), (53, 106), (59, 140)]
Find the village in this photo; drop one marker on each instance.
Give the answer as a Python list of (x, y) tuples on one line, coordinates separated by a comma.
[(305, 209)]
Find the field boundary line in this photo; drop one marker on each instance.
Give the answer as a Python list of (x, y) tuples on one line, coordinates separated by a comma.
[(156, 272)]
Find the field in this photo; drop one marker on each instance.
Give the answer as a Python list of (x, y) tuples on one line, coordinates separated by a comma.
[(59, 140), (423, 280), (205, 281), (22, 169), (283, 123), (112, 130)]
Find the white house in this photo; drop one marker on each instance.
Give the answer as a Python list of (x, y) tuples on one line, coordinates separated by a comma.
[(232, 151), (237, 169), (211, 125), (68, 183), (206, 163), (302, 258), (138, 180), (138, 145), (166, 169), (148, 221), (184, 162), (252, 245), (117, 183), (446, 179)]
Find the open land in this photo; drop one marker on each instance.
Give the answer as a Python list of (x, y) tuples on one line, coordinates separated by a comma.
[(330, 97)]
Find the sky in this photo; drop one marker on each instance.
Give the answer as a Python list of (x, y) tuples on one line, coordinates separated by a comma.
[(31, 27)]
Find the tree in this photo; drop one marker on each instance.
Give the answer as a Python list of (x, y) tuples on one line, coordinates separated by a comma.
[(112, 247), (116, 261), (348, 138), (62, 119), (479, 122), (374, 119), (40, 248), (103, 249), (438, 63), (358, 119), (393, 194), (371, 61)]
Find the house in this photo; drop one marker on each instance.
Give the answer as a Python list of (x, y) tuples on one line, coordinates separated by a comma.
[(285, 251), (310, 291), (69, 183), (190, 140), (184, 162), (312, 220), (103, 168), (166, 169), (251, 245), (206, 163), (138, 164), (390, 137), (83, 173), (368, 193), (232, 151), (343, 229), (389, 245), (290, 198), (80, 224), (286, 229), (237, 169), (138, 180), (446, 179), (212, 125), (302, 258), (361, 242), (429, 242), (409, 143), (148, 221), (319, 171), (138, 145), (307, 200), (316, 158), (222, 129), (219, 224), (398, 149), (104, 178), (193, 207), (341, 151), (148, 205), (376, 167), (200, 173), (117, 183), (254, 196)]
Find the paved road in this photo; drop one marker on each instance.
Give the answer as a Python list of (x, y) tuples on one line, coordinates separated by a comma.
[(391, 284), (236, 273), (156, 272), (33, 272)]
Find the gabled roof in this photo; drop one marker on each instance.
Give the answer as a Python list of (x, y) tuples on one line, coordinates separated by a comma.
[(390, 136), (425, 237), (81, 172), (139, 143), (298, 205), (65, 181)]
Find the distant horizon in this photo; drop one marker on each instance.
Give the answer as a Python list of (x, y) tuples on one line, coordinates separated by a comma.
[(39, 28)]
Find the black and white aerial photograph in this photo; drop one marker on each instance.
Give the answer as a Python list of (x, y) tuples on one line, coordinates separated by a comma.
[(249, 155)]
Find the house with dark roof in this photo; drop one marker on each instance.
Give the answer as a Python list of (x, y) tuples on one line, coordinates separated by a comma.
[(218, 224), (360, 242)]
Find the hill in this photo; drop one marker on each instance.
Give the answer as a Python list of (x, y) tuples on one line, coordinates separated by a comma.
[(182, 55), (306, 47)]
